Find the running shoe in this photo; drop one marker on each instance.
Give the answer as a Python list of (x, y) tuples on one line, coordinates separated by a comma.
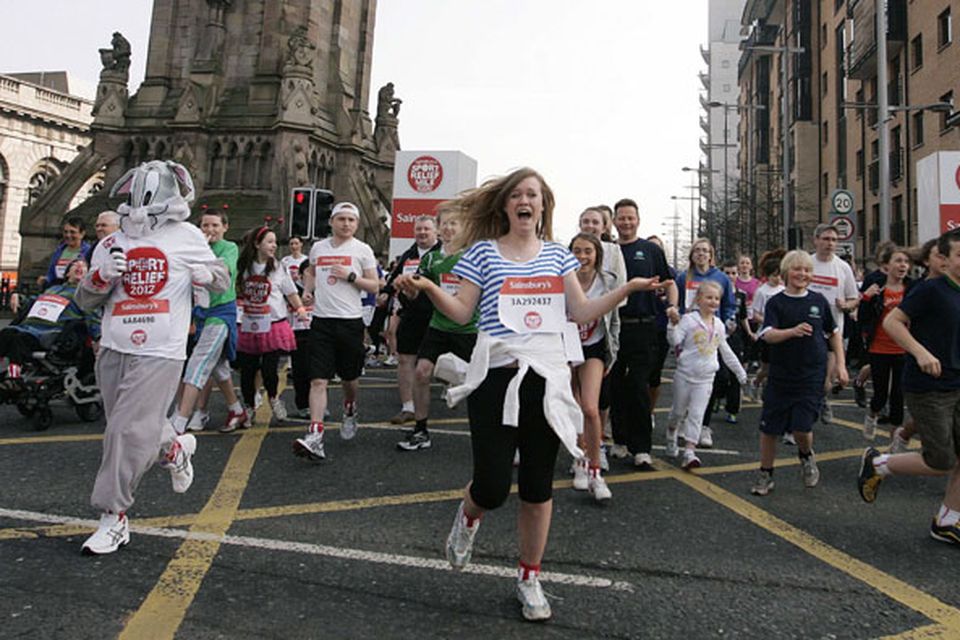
[(690, 460), (671, 450), (763, 483), (235, 420), (898, 444), (460, 540), (731, 418), (869, 427), (198, 421), (581, 474), (279, 409), (860, 394), (177, 462), (949, 533), (619, 451), (348, 426), (868, 480), (789, 439), (310, 446), (303, 414), (810, 471), (391, 361), (598, 488), (604, 462), (113, 533), (706, 438), (643, 461), (532, 600), (415, 440), (257, 400)]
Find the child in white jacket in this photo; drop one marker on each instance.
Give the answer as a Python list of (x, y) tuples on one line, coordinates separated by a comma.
[(697, 336)]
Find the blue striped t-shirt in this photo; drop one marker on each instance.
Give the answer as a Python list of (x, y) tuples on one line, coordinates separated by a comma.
[(483, 265)]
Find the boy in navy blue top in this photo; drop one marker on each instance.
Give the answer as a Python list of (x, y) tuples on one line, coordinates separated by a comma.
[(797, 324), (927, 325)]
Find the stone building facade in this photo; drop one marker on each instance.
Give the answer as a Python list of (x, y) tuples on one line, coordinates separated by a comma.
[(42, 128), (254, 97), (834, 117)]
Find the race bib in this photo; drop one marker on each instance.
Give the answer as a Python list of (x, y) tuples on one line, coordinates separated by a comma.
[(256, 318), (533, 304), (61, 267), (301, 325), (450, 284), (48, 307), (325, 263), (410, 266), (690, 294), (140, 323), (588, 331)]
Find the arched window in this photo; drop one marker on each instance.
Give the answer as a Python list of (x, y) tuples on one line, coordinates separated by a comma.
[(43, 174)]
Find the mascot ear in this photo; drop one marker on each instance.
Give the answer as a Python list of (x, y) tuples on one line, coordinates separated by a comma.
[(125, 184), (183, 179)]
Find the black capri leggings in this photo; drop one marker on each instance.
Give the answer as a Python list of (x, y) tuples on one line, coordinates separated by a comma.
[(495, 443), (887, 371), (267, 363)]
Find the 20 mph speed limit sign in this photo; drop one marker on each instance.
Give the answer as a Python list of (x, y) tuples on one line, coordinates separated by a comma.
[(842, 201)]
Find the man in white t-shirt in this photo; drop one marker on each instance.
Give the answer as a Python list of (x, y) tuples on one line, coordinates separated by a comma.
[(341, 267), (834, 279)]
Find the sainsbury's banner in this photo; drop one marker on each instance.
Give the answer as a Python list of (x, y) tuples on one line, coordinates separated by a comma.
[(421, 181), (938, 194)]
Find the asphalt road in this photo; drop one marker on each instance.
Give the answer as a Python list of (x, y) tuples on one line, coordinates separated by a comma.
[(266, 545)]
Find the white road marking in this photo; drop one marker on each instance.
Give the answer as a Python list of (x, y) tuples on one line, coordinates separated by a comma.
[(327, 551)]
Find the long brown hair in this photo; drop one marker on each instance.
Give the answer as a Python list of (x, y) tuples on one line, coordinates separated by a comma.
[(248, 254), (483, 209), (713, 256)]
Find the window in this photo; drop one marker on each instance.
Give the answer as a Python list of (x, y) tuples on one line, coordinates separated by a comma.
[(726, 88), (860, 163), (944, 29), (874, 149), (859, 99), (823, 84), (825, 184), (947, 97), (918, 129), (823, 36), (916, 51), (724, 64), (826, 132)]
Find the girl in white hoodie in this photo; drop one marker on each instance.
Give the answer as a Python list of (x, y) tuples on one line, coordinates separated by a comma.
[(697, 337)]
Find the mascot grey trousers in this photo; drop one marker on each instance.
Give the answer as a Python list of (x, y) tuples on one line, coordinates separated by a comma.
[(137, 392)]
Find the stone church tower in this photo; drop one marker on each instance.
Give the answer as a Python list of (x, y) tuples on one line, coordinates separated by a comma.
[(255, 97)]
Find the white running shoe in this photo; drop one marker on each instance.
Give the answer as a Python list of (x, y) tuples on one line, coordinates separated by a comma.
[(348, 426), (113, 533), (279, 409), (706, 438), (460, 540), (257, 400), (177, 461), (532, 600), (810, 471), (604, 463), (789, 439), (598, 488), (689, 460), (869, 427), (198, 421), (826, 413), (898, 444), (643, 461), (619, 451), (310, 446), (653, 420), (581, 474), (672, 450)]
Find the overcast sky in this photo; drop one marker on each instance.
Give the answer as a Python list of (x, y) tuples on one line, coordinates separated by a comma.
[(600, 97)]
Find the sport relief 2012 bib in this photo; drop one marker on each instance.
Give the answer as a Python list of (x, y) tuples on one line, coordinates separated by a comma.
[(410, 266), (142, 320), (450, 284), (48, 307), (325, 263), (690, 295), (533, 304), (256, 305)]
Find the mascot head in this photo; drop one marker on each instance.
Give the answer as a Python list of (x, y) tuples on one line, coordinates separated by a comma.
[(157, 192)]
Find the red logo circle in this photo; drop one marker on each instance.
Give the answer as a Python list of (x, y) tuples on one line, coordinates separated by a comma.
[(331, 280), (956, 177), (138, 337), (425, 174), (147, 272), (532, 320), (256, 289)]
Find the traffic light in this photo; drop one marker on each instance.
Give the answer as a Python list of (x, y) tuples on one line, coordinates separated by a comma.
[(301, 211), (323, 207)]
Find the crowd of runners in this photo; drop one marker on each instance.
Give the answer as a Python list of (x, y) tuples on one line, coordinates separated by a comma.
[(549, 344)]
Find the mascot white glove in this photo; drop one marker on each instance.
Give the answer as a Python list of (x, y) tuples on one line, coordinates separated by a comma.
[(201, 275), (115, 265)]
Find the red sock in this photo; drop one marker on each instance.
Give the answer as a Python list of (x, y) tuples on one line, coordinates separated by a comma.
[(528, 570), (594, 470), (13, 370), (316, 427)]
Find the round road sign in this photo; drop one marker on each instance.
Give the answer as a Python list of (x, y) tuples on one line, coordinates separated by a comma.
[(845, 227), (842, 201)]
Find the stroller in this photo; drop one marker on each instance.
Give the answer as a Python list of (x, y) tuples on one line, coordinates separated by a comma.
[(63, 370)]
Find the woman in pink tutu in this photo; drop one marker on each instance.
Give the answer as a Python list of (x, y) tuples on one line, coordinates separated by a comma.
[(265, 332)]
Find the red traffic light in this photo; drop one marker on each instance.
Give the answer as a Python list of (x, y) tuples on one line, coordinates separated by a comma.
[(299, 197)]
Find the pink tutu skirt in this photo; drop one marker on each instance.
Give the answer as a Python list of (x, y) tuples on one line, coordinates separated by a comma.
[(279, 338)]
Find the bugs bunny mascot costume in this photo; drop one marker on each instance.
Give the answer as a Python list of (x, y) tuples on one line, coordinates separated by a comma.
[(143, 276)]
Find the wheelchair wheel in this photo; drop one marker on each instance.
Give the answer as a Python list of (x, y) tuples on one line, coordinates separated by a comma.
[(89, 412), (26, 410), (42, 419)]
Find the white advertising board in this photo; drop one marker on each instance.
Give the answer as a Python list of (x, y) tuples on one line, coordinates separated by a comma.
[(938, 194)]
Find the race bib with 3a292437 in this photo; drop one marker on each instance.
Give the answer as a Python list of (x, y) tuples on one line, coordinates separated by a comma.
[(533, 304)]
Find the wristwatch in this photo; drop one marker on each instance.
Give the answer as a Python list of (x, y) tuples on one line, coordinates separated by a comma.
[(352, 277)]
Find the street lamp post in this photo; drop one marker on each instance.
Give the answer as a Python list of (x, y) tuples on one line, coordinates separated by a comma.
[(700, 171), (692, 199), (785, 125)]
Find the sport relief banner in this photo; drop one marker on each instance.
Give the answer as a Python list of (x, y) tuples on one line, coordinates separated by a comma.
[(421, 181), (938, 194)]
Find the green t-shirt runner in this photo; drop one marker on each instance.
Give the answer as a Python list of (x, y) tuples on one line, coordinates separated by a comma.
[(229, 253), (437, 266)]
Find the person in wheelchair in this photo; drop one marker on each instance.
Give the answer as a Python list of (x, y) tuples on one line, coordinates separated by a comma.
[(52, 322)]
